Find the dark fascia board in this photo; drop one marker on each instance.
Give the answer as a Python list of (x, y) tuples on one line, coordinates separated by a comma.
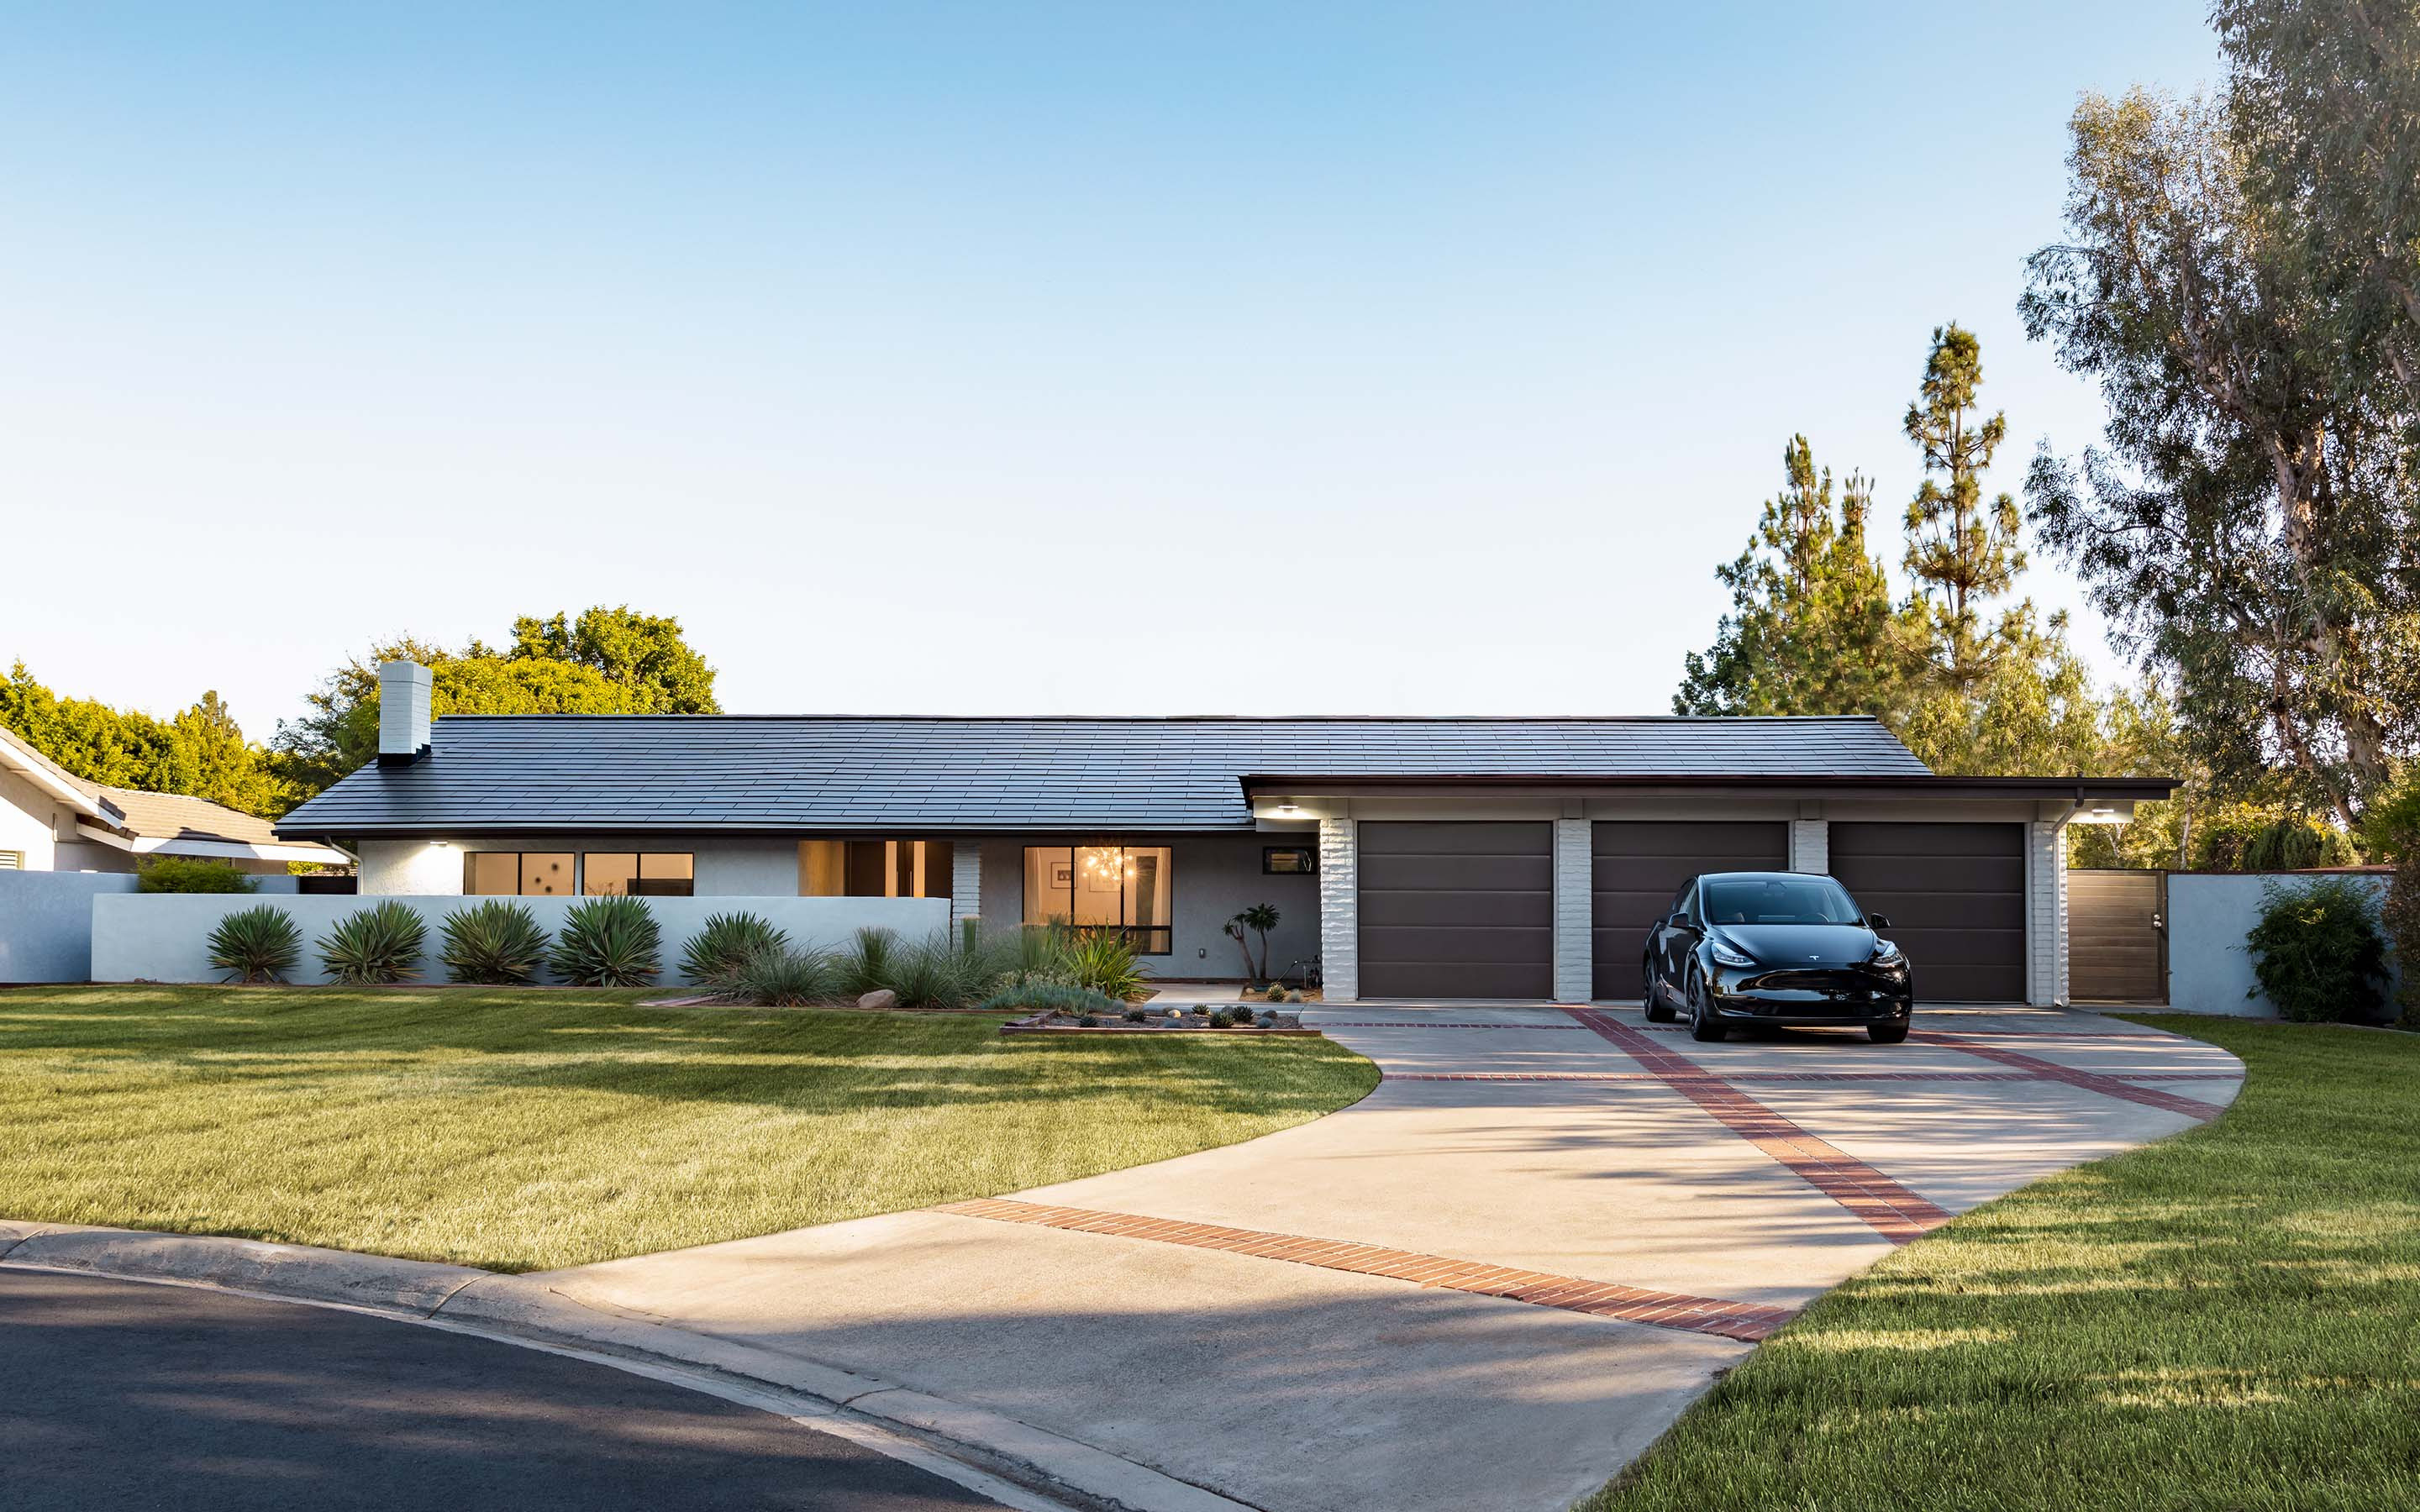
[(2078, 788), (912, 829)]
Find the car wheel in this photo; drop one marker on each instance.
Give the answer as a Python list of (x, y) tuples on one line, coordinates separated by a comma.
[(1703, 1026), (1888, 1033), (1651, 1001)]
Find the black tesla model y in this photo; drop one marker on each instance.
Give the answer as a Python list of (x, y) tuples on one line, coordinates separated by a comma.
[(1775, 948)]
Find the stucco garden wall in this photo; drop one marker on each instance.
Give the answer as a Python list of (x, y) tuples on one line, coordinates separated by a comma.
[(2209, 914)]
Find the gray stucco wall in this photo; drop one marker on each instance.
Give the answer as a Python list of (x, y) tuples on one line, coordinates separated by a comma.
[(160, 937), (2209, 971), (1216, 877), (46, 922)]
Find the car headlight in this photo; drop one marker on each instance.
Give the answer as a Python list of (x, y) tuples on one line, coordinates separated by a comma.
[(1886, 955), (1726, 956)]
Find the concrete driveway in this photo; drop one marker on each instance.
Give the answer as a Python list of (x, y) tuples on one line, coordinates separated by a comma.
[(1488, 1285)]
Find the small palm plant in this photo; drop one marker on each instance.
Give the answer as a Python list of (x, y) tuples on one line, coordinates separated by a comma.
[(726, 942), (608, 942), (1260, 918), (496, 944), (374, 947), (256, 945)]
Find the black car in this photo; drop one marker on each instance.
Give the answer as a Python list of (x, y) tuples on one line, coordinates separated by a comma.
[(1775, 948)]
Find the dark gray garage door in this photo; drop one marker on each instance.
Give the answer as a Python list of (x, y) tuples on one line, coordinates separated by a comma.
[(1639, 864), (1458, 909), (1956, 898)]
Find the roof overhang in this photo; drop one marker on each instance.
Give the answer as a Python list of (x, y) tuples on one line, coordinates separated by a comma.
[(46, 777), (2041, 788), (220, 850)]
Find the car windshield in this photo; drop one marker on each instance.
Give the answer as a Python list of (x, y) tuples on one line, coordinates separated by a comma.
[(1778, 901)]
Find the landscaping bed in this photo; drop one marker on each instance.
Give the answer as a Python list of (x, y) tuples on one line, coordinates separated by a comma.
[(1204, 1018), (2224, 1320), (527, 1130)]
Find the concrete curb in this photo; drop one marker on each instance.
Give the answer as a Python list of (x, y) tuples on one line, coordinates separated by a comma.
[(516, 1309)]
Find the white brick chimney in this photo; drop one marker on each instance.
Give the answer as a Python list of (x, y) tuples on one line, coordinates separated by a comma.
[(403, 713)]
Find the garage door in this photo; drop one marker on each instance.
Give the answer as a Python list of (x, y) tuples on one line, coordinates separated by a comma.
[(1460, 909), (1955, 895), (1638, 865)]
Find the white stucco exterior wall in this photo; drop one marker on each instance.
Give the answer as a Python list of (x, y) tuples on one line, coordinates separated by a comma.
[(29, 824), (2046, 913), (1574, 911), (726, 866), (1810, 845), (1340, 909)]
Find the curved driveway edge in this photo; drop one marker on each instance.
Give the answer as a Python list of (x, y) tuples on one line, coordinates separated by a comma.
[(516, 1309)]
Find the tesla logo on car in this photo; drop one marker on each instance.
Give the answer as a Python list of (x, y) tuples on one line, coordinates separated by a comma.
[(1814, 957)]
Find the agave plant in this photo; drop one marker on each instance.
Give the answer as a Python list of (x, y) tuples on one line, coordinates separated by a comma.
[(608, 942), (377, 945), (778, 976), (496, 943), (256, 945), (725, 944)]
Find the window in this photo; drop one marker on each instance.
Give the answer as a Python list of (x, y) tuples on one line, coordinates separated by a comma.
[(1130, 888), (1288, 861), (1780, 900), (875, 868), (645, 874), (529, 873)]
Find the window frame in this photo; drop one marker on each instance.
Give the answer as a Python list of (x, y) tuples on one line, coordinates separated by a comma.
[(639, 861), (1310, 855), (1154, 940), (471, 865)]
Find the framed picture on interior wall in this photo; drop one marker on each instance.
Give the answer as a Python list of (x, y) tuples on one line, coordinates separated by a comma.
[(1062, 875), (1288, 861)]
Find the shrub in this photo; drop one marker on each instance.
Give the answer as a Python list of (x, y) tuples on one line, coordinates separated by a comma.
[(495, 943), (779, 977), (1277, 995), (1104, 961), (256, 945), (726, 942), (1036, 998), (374, 945), (608, 942), (1087, 1021), (870, 963), (1135, 1015), (2317, 950), (183, 873)]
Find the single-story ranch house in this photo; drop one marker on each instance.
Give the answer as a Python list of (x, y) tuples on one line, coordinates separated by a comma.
[(51, 820), (1411, 858)]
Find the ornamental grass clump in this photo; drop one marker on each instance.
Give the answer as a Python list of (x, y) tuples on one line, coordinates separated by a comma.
[(608, 942), (494, 944), (1040, 997), (778, 976), (256, 945), (870, 963), (377, 945), (2317, 951), (726, 943)]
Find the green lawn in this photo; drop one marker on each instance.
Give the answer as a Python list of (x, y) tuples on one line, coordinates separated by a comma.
[(2226, 1319), (530, 1129)]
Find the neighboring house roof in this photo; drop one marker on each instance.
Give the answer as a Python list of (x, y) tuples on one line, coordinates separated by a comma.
[(169, 823), (558, 773)]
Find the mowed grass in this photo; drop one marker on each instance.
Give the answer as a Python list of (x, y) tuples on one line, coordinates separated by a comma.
[(532, 1129), (2228, 1319)]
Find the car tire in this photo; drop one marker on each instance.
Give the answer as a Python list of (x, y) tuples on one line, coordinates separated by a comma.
[(1887, 1033), (1703, 1026), (1651, 1002)]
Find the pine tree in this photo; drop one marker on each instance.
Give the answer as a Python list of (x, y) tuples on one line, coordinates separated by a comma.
[(1959, 550)]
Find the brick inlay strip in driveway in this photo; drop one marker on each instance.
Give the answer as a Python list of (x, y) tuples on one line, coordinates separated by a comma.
[(1887, 1208), (1741, 1321), (2092, 1080)]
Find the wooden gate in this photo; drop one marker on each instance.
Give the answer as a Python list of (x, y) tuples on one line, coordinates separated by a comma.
[(2118, 936)]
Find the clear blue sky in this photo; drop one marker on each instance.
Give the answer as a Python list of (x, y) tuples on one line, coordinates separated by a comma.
[(983, 358)]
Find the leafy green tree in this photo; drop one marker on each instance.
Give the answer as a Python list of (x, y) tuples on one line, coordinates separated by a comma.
[(1809, 629), (201, 753), (640, 652)]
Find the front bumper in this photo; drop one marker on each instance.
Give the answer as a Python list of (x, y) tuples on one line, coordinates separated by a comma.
[(1838, 995)]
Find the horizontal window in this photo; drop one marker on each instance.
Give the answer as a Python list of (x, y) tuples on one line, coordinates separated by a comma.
[(641, 874), (1288, 861), (875, 868), (1129, 889), (529, 873)]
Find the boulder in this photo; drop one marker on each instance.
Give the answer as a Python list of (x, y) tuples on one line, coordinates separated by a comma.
[(881, 997)]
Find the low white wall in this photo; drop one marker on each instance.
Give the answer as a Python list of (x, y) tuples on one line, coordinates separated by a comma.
[(2210, 915), (163, 936), (46, 922)]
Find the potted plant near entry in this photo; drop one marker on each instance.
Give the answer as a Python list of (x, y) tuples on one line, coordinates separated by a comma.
[(1260, 918)]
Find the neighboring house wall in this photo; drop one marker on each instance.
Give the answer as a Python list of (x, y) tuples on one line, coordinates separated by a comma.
[(46, 923), (1217, 877), (2209, 916), (743, 866), (163, 936), (29, 823)]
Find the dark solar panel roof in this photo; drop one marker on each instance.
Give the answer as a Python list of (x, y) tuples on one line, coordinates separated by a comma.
[(739, 772)]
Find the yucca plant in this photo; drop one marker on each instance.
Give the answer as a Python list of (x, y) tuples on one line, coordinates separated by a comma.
[(1103, 960), (778, 976), (870, 963), (497, 944), (608, 942), (725, 944), (377, 945), (256, 945)]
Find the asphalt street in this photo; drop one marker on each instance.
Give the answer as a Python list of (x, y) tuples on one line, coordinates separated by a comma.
[(124, 1394)]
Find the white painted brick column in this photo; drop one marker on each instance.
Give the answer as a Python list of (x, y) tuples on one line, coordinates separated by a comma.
[(1810, 845), (1575, 880), (2046, 914), (1340, 911), (965, 881)]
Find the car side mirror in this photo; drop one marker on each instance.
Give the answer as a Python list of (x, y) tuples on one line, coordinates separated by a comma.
[(1877, 922)]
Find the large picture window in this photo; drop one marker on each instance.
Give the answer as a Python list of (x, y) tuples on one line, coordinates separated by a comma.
[(1130, 888), (529, 873)]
